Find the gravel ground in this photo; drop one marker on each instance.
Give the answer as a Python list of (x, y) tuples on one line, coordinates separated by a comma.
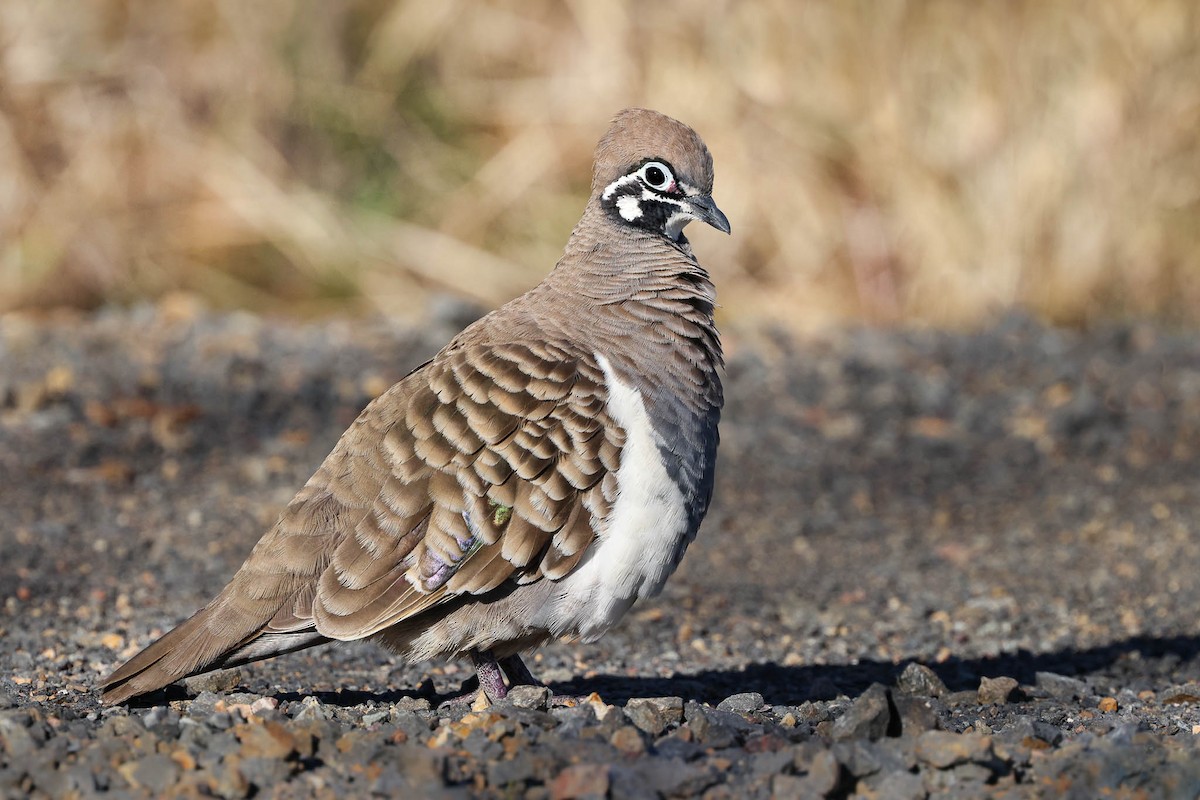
[(938, 564)]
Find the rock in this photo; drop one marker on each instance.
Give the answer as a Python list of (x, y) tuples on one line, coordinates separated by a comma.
[(310, 710), (869, 717), (536, 697), (265, 740), (769, 762), (997, 691), (823, 777), (409, 703), (628, 739), (788, 787), (661, 778), (1187, 694), (916, 714), (920, 680), (654, 714), (221, 680), (713, 727), (943, 749), (743, 703), (862, 758), (518, 769), (901, 785), (16, 741), (264, 772), (376, 717), (675, 748), (1060, 686), (581, 781), (203, 705), (645, 716), (155, 773)]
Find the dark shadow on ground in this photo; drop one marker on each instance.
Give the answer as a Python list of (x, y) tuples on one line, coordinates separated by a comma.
[(780, 685)]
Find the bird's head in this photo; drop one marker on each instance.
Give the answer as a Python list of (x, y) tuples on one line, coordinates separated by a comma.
[(655, 173)]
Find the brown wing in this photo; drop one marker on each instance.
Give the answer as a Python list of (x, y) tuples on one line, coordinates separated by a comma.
[(495, 469), (491, 462)]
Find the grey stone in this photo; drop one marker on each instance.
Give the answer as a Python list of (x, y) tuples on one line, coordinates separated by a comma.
[(654, 714), (409, 703), (768, 763), (581, 781), (920, 680), (535, 697), (155, 772), (743, 703), (824, 775), (962, 780), (676, 748), (863, 758), (997, 691), (16, 740), (963, 698), (263, 772), (413, 724), (203, 705), (310, 709), (645, 716), (1061, 687), (869, 717), (943, 749), (674, 778), (789, 787), (221, 680), (901, 785), (714, 727), (375, 717), (518, 769), (916, 714)]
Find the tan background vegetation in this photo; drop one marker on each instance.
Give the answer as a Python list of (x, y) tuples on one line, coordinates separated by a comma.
[(928, 162)]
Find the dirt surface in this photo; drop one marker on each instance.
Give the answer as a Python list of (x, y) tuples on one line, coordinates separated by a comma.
[(938, 564)]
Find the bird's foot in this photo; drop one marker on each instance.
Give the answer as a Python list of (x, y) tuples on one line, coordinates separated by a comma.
[(490, 686)]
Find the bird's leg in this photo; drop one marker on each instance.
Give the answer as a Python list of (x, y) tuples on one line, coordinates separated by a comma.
[(491, 679), (518, 674)]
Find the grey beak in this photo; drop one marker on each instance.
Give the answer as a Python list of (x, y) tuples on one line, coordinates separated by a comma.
[(706, 211)]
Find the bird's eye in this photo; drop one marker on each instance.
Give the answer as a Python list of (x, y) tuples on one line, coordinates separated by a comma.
[(657, 175)]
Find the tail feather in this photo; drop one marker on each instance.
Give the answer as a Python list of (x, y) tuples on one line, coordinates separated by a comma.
[(195, 647)]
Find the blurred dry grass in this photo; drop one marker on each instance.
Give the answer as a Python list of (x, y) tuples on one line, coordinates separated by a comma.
[(891, 161)]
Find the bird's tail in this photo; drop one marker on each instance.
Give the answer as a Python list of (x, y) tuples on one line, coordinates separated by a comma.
[(223, 634)]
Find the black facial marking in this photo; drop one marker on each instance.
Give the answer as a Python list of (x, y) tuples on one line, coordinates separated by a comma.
[(655, 211)]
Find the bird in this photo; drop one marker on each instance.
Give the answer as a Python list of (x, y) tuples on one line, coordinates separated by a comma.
[(533, 480)]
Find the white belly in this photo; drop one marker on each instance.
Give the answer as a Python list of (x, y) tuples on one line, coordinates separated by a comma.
[(634, 551)]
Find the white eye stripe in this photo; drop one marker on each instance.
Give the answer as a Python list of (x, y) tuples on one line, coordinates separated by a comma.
[(658, 198), (617, 184)]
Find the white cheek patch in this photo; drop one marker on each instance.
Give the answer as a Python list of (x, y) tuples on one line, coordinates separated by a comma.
[(629, 207)]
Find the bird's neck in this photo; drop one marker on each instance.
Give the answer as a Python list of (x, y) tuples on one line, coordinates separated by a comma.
[(606, 263), (644, 292)]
